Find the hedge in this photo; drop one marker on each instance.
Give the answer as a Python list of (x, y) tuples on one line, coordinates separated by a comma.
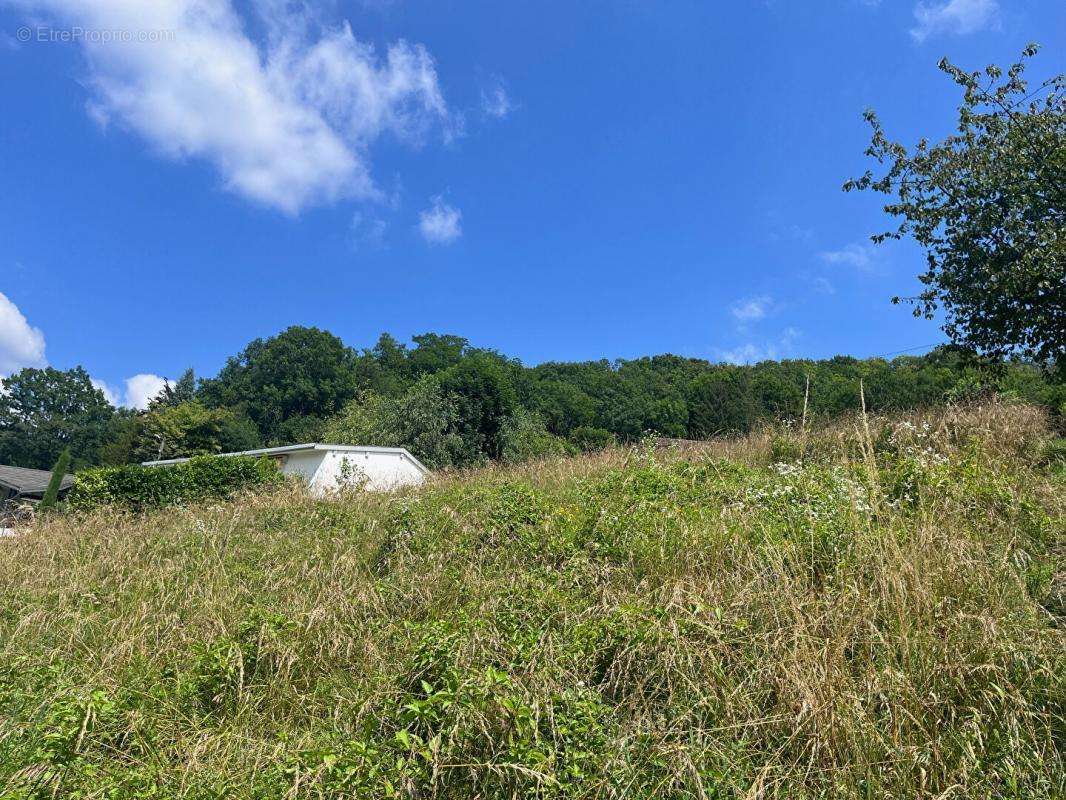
[(139, 488)]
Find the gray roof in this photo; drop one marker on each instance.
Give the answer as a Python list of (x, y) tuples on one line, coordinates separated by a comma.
[(29, 481), (293, 448)]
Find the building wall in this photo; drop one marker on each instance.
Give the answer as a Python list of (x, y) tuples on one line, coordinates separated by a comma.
[(326, 471), (303, 463)]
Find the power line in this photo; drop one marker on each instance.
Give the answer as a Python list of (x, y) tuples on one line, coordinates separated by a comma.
[(907, 350)]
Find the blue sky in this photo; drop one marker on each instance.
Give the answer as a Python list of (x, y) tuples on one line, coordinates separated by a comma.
[(559, 181)]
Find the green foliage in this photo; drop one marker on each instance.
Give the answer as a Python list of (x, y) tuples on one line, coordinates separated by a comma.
[(453, 404), (987, 204), (59, 471), (588, 439), (721, 402), (46, 411), (140, 488), (483, 386), (189, 428), (123, 432), (524, 437), (424, 420), (181, 391), (300, 373)]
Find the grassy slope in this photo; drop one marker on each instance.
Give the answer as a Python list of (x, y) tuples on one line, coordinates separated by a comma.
[(874, 623)]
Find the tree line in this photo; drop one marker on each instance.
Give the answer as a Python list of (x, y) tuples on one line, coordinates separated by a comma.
[(454, 404)]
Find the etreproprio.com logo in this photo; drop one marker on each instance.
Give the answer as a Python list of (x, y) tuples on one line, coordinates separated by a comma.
[(46, 33)]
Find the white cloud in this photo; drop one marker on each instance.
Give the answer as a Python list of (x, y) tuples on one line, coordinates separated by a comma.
[(959, 17), (440, 223), (21, 345), (111, 394), (286, 122), (752, 309), (859, 256), (752, 353), (495, 102), (142, 389)]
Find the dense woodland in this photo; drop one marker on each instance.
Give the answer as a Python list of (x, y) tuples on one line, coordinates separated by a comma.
[(454, 404)]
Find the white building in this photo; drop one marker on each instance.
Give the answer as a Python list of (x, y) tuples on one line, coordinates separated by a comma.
[(326, 468)]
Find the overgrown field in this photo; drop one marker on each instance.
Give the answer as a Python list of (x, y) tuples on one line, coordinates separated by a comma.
[(872, 610)]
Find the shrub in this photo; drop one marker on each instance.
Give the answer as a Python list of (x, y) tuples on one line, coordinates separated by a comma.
[(524, 437), (138, 488), (588, 439), (424, 420), (59, 471)]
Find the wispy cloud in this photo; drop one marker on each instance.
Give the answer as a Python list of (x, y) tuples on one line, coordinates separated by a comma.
[(958, 17), (21, 344), (752, 309), (753, 352), (367, 230), (495, 101), (287, 121), (440, 223), (858, 256)]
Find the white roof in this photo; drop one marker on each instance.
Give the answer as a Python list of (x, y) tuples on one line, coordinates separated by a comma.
[(295, 448)]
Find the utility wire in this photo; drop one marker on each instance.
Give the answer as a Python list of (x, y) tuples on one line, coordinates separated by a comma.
[(908, 350)]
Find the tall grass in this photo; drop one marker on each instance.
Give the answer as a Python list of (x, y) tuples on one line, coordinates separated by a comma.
[(749, 618)]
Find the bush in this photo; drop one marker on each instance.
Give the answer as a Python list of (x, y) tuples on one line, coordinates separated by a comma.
[(524, 437), (425, 420), (589, 440), (138, 488)]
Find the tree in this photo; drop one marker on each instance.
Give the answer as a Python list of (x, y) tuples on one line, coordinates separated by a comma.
[(182, 391), (191, 429), (484, 391), (988, 204), (45, 411), (383, 369), (120, 439), (424, 420), (59, 471), (435, 353), (721, 402), (563, 406), (300, 373)]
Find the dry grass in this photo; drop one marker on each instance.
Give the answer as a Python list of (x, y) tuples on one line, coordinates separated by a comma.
[(760, 617)]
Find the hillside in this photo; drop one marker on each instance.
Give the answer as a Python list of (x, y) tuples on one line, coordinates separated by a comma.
[(870, 610)]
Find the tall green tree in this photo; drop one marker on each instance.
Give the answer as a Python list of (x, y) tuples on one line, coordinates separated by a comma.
[(721, 402), (988, 205), (483, 386), (287, 384), (45, 411), (435, 353)]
